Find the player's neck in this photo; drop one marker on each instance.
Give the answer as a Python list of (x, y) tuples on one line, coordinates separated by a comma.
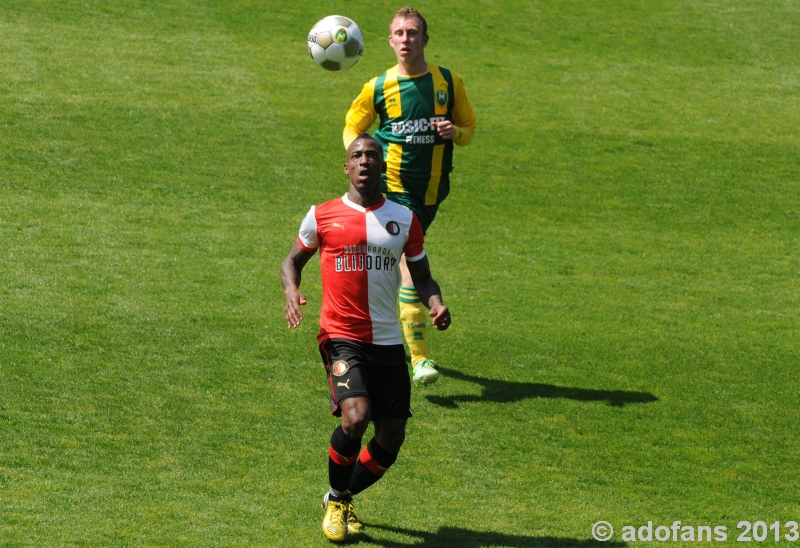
[(364, 199), (412, 69)]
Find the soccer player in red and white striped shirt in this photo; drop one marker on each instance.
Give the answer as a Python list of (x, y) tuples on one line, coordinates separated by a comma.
[(361, 238)]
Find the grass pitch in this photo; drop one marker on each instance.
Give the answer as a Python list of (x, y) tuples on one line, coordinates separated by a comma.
[(620, 252)]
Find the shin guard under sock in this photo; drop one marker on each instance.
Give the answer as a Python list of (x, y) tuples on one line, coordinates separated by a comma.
[(414, 322), (371, 466), (342, 457)]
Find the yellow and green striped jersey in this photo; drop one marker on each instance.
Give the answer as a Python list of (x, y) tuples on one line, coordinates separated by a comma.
[(418, 160)]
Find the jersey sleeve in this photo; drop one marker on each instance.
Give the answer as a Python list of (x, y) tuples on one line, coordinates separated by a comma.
[(308, 237), (361, 114), (415, 245), (463, 115)]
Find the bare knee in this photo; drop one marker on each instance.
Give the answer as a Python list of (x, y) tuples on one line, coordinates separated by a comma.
[(404, 273), (390, 434), (355, 417)]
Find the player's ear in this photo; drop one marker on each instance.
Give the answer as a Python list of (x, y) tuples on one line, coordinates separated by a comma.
[(383, 167)]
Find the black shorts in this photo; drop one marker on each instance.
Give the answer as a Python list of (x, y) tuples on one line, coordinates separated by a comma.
[(376, 372)]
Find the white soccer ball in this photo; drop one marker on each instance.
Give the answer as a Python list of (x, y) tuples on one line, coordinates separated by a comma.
[(335, 43)]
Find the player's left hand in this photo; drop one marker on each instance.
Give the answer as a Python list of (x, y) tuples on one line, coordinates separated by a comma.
[(446, 129), (441, 317)]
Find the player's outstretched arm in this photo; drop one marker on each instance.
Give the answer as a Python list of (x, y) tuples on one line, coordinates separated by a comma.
[(429, 292), (291, 275)]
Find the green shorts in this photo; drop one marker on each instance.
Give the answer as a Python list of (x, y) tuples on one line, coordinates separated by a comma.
[(425, 214)]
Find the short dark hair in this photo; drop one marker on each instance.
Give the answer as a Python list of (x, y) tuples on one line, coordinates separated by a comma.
[(365, 136), (410, 13)]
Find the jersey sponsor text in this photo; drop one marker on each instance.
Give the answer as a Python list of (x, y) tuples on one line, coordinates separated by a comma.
[(421, 125), (357, 262)]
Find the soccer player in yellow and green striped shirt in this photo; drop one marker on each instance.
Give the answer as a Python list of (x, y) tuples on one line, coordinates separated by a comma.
[(422, 111)]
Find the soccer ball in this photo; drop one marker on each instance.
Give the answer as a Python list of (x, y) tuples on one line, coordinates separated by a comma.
[(335, 43)]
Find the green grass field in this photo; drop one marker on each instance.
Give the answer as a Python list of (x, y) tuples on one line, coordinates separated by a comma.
[(620, 252)]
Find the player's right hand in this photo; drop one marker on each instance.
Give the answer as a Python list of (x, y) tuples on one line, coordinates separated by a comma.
[(292, 309)]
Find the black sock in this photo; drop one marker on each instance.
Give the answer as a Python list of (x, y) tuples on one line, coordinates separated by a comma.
[(342, 457), (371, 466)]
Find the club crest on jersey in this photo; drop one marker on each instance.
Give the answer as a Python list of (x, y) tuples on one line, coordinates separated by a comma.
[(393, 228), (340, 367), (441, 97)]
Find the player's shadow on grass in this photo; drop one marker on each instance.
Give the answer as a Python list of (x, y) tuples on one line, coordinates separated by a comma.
[(509, 391), (464, 538)]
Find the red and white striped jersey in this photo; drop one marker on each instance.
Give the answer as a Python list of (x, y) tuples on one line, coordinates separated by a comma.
[(360, 252)]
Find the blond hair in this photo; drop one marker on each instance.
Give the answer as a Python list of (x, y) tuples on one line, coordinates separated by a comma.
[(410, 13)]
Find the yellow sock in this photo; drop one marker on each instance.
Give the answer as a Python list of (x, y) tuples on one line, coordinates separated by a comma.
[(415, 326)]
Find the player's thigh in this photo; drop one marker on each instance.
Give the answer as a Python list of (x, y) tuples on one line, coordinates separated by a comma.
[(390, 385), (347, 372)]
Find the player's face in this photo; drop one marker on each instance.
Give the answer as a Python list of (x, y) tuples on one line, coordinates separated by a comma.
[(364, 165), (407, 40)]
